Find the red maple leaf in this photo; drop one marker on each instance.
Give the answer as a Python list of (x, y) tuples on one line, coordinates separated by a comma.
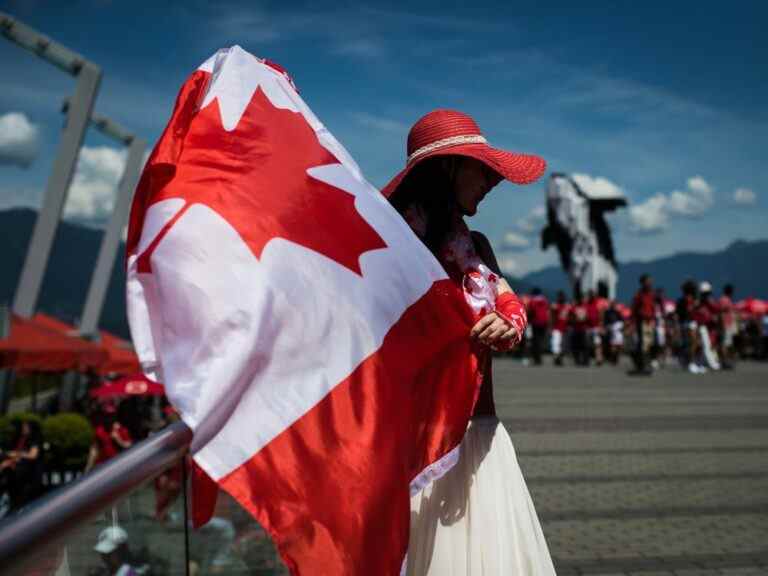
[(256, 178)]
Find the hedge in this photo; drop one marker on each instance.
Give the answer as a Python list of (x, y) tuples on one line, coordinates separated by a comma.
[(69, 436)]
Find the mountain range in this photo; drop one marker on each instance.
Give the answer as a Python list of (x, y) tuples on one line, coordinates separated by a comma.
[(69, 270), (743, 263)]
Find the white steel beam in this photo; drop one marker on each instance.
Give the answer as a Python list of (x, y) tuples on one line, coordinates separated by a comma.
[(102, 273)]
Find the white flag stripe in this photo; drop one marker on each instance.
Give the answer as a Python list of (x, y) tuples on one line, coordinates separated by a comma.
[(140, 294), (236, 76)]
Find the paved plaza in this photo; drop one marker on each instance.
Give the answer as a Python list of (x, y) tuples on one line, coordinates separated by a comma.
[(648, 476)]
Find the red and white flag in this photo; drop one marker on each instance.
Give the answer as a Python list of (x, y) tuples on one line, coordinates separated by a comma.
[(313, 344)]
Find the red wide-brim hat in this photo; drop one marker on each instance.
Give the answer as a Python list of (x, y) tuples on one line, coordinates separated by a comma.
[(448, 133)]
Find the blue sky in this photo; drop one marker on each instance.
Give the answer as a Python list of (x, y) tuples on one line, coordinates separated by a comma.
[(665, 100)]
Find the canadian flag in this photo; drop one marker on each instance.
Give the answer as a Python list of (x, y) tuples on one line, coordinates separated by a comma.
[(315, 347)]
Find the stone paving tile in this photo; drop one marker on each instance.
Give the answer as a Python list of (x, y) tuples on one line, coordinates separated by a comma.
[(696, 572), (754, 451), (607, 465), (549, 392), (657, 537), (749, 421), (527, 407), (629, 566), (621, 496), (577, 442)]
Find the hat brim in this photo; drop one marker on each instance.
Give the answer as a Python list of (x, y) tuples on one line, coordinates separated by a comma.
[(105, 547), (511, 166)]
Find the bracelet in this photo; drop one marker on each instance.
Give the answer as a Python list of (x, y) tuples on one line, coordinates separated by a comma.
[(510, 309)]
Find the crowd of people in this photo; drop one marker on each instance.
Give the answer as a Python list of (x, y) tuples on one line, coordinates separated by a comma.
[(701, 331)]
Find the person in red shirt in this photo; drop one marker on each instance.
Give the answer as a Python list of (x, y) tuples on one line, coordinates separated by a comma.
[(538, 319), (561, 310), (109, 438), (644, 316), (579, 325), (728, 327), (595, 309)]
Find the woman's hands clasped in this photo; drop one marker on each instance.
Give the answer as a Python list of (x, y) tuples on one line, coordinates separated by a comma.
[(494, 331)]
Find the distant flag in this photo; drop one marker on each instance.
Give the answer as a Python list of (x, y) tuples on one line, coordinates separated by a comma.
[(313, 344)]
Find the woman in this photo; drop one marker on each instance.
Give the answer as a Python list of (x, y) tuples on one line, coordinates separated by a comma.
[(22, 469), (579, 324), (110, 437), (478, 518)]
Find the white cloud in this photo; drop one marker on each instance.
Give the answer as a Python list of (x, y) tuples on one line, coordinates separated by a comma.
[(244, 22), (351, 31), (598, 187), (744, 196), (380, 123), (651, 216), (532, 222), (93, 191), (508, 265), (694, 201), (514, 241), (19, 139), (94, 187), (360, 48)]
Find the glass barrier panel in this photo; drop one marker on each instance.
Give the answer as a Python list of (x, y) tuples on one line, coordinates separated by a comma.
[(140, 535), (143, 535), (233, 543)]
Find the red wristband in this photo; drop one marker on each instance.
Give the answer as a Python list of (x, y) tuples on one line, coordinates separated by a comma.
[(512, 310)]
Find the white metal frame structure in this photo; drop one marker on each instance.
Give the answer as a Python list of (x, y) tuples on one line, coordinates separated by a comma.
[(79, 114), (88, 79)]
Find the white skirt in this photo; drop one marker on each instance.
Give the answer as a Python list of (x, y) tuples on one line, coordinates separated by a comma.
[(478, 519)]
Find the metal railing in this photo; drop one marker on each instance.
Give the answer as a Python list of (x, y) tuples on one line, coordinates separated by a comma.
[(48, 519)]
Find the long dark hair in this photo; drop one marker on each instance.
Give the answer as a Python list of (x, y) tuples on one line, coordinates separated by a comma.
[(430, 185), (35, 435)]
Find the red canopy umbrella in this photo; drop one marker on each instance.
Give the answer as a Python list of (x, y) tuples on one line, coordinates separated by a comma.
[(752, 306), (134, 385), (32, 347), (121, 358)]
